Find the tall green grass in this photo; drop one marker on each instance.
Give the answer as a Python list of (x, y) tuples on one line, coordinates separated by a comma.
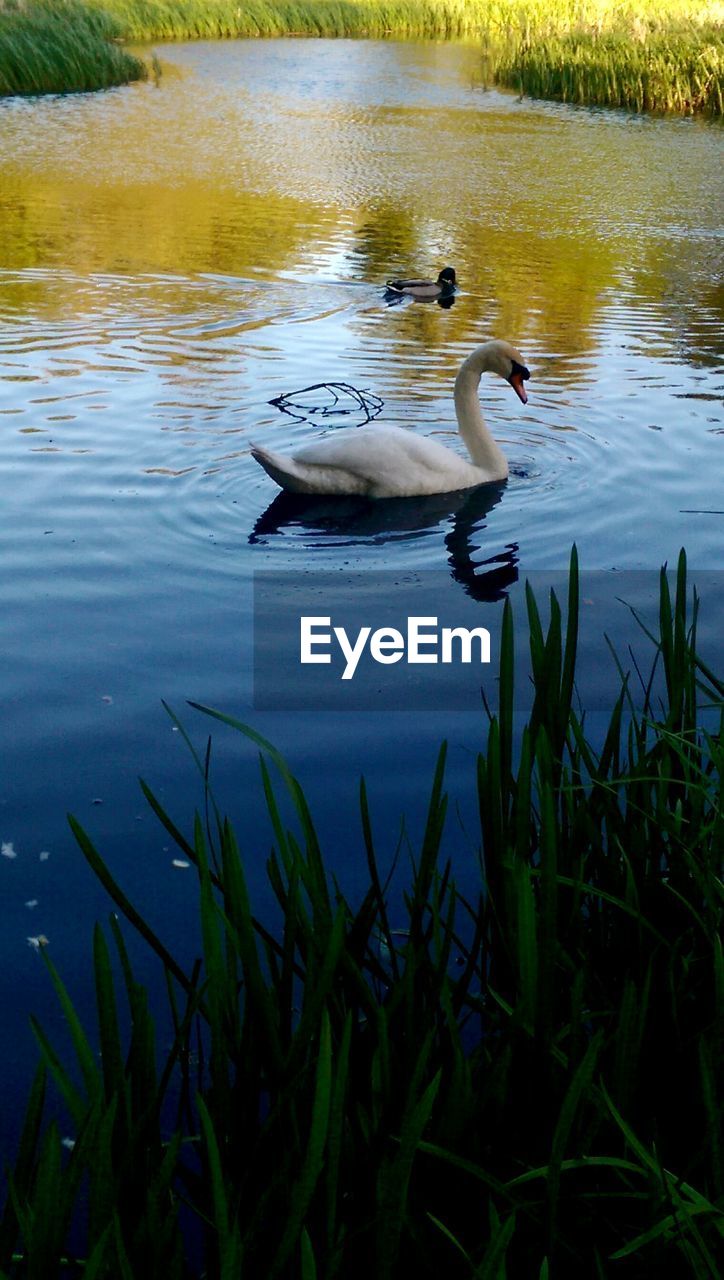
[(61, 46), (187, 19), (679, 71), (210, 19), (518, 1081)]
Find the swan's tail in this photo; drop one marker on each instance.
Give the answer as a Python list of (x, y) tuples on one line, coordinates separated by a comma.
[(285, 471), (301, 477)]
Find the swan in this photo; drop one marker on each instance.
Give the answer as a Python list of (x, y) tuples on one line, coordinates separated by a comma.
[(424, 289), (378, 461)]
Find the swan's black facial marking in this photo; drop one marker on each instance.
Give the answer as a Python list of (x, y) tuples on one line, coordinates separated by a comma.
[(520, 370), (517, 376)]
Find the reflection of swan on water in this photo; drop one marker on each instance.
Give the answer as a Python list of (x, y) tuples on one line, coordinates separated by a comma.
[(377, 461), (357, 521)]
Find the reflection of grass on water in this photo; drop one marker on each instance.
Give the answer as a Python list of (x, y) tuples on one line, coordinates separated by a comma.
[(520, 1082), (664, 56)]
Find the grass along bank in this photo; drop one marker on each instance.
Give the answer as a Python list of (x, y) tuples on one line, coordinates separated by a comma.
[(679, 71), (518, 1081), (64, 47), (666, 56)]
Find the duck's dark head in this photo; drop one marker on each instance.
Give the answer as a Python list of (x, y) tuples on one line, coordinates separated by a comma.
[(446, 277)]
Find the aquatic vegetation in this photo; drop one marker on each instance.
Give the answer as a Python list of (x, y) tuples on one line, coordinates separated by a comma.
[(518, 1081), (186, 19), (680, 71), (63, 47)]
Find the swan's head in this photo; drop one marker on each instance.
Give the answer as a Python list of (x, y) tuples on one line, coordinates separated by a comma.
[(446, 277), (504, 359)]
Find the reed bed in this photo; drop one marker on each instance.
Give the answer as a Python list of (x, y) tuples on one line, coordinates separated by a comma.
[(680, 72), (187, 19), (61, 47), (210, 19), (517, 1081)]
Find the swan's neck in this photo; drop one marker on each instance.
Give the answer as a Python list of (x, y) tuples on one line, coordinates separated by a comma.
[(481, 446)]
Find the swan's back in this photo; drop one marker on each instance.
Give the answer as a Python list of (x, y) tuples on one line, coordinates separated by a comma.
[(389, 461)]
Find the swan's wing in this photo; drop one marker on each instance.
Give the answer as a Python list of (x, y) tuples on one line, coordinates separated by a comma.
[(365, 449), (302, 477), (387, 459)]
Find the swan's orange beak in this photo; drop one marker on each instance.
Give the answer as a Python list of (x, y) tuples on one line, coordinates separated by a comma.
[(516, 382)]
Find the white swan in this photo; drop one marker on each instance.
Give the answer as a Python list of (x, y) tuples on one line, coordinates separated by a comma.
[(392, 462)]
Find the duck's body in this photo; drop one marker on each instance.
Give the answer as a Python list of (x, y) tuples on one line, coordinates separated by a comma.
[(378, 461), (425, 290)]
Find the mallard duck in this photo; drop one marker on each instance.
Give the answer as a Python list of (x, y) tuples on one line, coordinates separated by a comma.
[(425, 290)]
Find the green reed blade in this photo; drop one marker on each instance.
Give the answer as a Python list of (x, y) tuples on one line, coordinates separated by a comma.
[(449, 1236), (669, 1225), (99, 1260), (570, 652), (111, 1053), (24, 1163), (102, 873), (436, 811), (711, 1098), (177, 837), (308, 1264), (582, 1162), (84, 1053), (227, 1240), (317, 988), (379, 892), (506, 687), (493, 1262), (303, 1190), (337, 1109), (239, 917), (571, 1103), (71, 1095), (219, 998), (394, 1176), (526, 946)]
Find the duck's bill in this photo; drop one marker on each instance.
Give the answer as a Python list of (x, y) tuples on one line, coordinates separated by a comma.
[(516, 382)]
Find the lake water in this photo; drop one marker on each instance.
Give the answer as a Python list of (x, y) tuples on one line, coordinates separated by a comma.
[(174, 255)]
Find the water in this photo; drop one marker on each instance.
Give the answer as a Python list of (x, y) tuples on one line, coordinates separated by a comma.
[(174, 256)]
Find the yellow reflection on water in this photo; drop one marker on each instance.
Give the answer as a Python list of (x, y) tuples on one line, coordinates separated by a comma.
[(284, 160)]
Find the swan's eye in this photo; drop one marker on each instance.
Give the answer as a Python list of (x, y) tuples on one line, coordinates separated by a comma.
[(519, 371)]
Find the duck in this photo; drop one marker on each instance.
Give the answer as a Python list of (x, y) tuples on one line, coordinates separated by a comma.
[(425, 290), (381, 461)]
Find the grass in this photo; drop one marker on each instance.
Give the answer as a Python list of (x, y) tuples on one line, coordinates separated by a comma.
[(680, 71), (661, 55), (61, 47), (521, 1081)]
